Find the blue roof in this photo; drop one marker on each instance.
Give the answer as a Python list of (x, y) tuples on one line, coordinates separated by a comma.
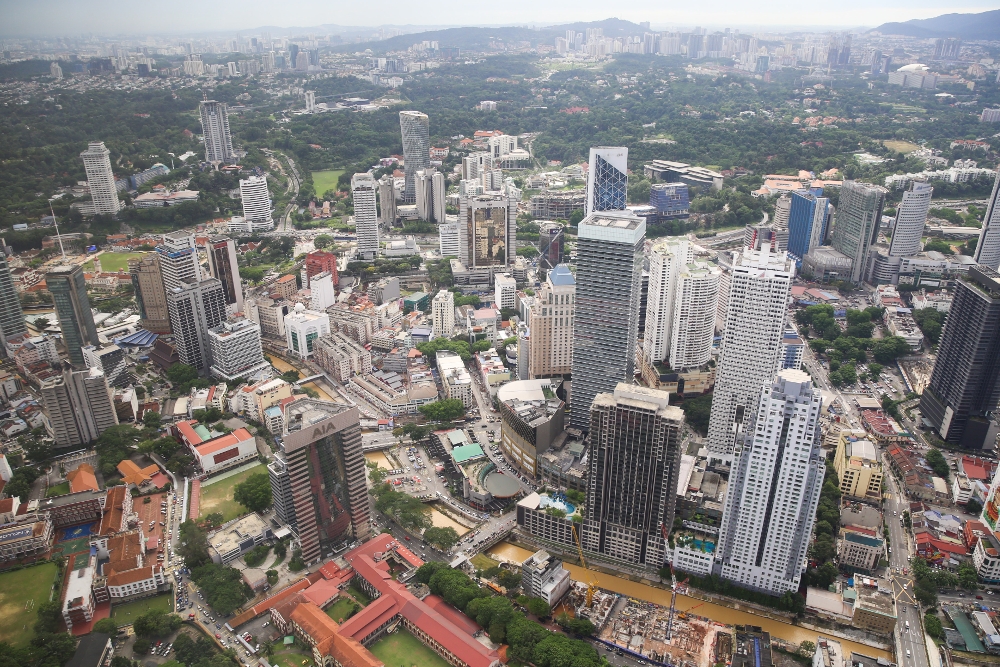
[(140, 338), (561, 275)]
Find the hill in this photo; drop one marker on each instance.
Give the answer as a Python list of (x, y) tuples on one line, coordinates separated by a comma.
[(985, 25)]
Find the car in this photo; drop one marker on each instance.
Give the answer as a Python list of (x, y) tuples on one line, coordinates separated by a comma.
[(266, 623), (407, 538), (979, 597)]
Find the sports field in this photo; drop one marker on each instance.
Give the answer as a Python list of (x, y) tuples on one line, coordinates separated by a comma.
[(403, 649), (325, 180), (20, 594), (218, 497), (126, 613), (900, 146), (112, 262)]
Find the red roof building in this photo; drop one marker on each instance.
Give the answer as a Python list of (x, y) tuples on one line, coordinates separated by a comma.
[(319, 261)]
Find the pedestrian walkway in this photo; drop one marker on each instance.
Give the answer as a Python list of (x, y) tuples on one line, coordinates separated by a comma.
[(195, 499), (229, 473)]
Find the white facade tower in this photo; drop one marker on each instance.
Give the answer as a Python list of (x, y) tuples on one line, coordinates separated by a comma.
[(215, 128), (607, 179), (178, 260), (450, 240), (911, 216), (100, 179), (988, 249), (363, 188), (443, 313), (256, 204), (774, 489)]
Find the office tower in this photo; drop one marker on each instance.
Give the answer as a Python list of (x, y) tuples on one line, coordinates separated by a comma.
[(607, 179), (281, 489), (194, 309), (910, 219), (782, 211), (322, 294), (550, 324), (504, 291), (112, 360), (326, 468), (947, 49), (859, 215), (806, 223), (150, 295), (256, 204), (222, 265), (215, 128), (681, 303), (387, 201), (423, 193), (79, 406), (438, 199), (774, 488), (751, 342), (310, 101), (178, 260), (415, 128), (11, 317), (302, 328), (671, 200), (76, 321), (100, 179), (551, 242), (965, 384), (236, 350), (443, 314), (321, 261), (608, 278), (450, 239), (635, 460), (988, 248), (490, 224), (365, 215), (293, 55)]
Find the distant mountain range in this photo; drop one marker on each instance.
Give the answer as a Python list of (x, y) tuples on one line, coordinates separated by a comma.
[(964, 26)]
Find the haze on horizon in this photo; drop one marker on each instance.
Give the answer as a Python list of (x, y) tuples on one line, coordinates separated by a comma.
[(74, 17)]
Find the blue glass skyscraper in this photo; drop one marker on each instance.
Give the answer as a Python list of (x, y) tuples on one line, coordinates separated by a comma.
[(607, 179), (671, 200), (806, 224)]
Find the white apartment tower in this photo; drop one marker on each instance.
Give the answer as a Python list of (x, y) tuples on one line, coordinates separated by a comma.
[(256, 204), (363, 188), (322, 293), (988, 250), (100, 179), (443, 314), (504, 290), (236, 350), (607, 179), (911, 216), (387, 200), (194, 309), (215, 128), (178, 260), (310, 101), (550, 343), (450, 240), (751, 341), (774, 488)]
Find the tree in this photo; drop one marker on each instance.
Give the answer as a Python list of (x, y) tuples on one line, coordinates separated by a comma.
[(107, 626), (323, 241), (936, 460), (49, 618), (254, 493), (442, 538), (151, 419), (538, 607), (967, 577), (140, 646), (887, 350), (933, 626), (444, 410), (156, 623), (697, 412), (272, 577), (194, 544), (291, 377), (224, 590), (973, 507), (807, 649)]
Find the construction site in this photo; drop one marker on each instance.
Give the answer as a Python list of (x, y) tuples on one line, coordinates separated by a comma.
[(648, 629)]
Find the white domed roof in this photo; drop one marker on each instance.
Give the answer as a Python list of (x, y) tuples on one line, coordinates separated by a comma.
[(299, 307), (914, 67)]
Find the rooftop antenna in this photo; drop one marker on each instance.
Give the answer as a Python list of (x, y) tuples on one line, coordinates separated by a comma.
[(58, 235)]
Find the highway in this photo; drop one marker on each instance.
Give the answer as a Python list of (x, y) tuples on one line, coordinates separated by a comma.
[(911, 648)]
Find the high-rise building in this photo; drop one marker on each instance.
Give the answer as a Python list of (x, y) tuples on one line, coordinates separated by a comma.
[(911, 216), (635, 460), (365, 215), (321, 261), (11, 316), (988, 248), (322, 293), (756, 309), (256, 204), (76, 320), (450, 239), (774, 488), (79, 406), (551, 243), (236, 350), (178, 260), (194, 309), (326, 471), (965, 384), (806, 223), (489, 222), (443, 314), (150, 295), (55, 70), (550, 344), (782, 212), (100, 179), (504, 290), (438, 189), (607, 179), (680, 312), (543, 576), (222, 264), (215, 128), (859, 215), (281, 489), (671, 200), (608, 283), (302, 328), (112, 360), (387, 201), (415, 128)]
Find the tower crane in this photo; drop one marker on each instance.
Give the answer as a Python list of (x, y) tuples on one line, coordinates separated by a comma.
[(592, 584)]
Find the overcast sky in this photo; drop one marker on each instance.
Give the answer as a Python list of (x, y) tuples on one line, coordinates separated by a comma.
[(73, 17)]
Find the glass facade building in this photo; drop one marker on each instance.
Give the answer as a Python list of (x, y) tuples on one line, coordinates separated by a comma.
[(11, 317), (415, 128), (806, 224), (858, 218), (671, 200), (607, 179), (76, 321)]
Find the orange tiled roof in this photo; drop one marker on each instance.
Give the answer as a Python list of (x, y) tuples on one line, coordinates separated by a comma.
[(82, 479), (131, 576), (114, 510), (133, 474)]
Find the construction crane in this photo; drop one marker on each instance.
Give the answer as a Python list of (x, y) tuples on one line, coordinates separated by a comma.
[(684, 614), (673, 600), (592, 584)]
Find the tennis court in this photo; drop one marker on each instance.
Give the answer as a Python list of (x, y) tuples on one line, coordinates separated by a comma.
[(76, 532)]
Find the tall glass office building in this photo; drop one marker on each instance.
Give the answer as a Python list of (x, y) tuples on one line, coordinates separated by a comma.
[(76, 321), (806, 224), (415, 128), (858, 218), (607, 179), (11, 317)]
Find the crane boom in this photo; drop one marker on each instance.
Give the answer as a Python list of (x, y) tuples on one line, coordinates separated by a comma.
[(591, 585)]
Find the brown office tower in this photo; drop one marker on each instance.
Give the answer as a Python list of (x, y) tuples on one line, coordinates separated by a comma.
[(326, 471), (150, 295)]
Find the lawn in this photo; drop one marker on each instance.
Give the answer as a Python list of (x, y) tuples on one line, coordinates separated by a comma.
[(325, 180), (20, 594), (403, 649), (341, 609), (58, 490), (218, 497), (125, 613), (900, 146), (359, 595), (112, 262), (290, 656), (483, 562)]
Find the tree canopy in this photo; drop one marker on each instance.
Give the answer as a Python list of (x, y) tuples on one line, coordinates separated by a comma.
[(254, 492)]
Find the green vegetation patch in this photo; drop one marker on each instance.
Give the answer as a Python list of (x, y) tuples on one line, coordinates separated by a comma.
[(402, 648), (60, 489), (112, 262), (342, 609), (21, 593), (219, 497), (900, 146), (325, 180), (125, 613), (484, 562)]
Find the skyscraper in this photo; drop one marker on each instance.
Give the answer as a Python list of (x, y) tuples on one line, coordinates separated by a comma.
[(194, 309), (911, 216), (450, 240), (100, 179), (608, 279), (965, 384), (281, 489), (178, 260), (607, 179), (751, 342), (365, 215), (256, 204), (215, 128), (76, 321), (443, 314), (223, 265), (988, 248), (806, 223), (150, 295), (415, 128), (551, 325), (387, 201), (859, 215), (79, 406), (326, 471), (774, 488), (490, 227), (236, 350), (11, 316), (551, 242), (635, 459)]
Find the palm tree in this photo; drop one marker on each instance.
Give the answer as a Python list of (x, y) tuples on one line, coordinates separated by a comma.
[(267, 648)]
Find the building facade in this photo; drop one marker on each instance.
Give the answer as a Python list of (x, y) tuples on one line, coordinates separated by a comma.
[(215, 128), (236, 350), (302, 328), (807, 216), (76, 321), (443, 314), (363, 189), (256, 204), (859, 215), (222, 264), (607, 179), (194, 309), (150, 295), (11, 317), (988, 248), (551, 325), (911, 216), (79, 406), (178, 260), (100, 179), (415, 129), (490, 223)]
